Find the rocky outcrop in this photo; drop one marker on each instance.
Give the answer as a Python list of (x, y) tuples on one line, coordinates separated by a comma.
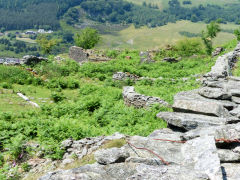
[(131, 98), (120, 76), (217, 51)]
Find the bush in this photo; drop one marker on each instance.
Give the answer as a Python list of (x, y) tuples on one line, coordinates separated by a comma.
[(188, 47), (57, 97), (87, 38), (7, 85)]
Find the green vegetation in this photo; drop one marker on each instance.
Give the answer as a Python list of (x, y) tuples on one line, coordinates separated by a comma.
[(46, 44), (87, 38), (212, 29)]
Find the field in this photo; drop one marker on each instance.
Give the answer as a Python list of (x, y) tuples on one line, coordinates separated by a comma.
[(149, 38), (164, 3)]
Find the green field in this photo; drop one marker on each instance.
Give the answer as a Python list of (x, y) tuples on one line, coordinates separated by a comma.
[(149, 38), (164, 3)]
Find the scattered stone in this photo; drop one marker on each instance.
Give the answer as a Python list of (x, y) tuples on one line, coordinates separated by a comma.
[(123, 76), (110, 156)]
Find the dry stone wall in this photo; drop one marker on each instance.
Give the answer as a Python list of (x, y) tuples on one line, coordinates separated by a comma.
[(131, 98)]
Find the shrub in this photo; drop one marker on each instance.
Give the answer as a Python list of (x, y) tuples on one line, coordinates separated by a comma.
[(7, 85), (87, 38), (188, 47), (57, 97)]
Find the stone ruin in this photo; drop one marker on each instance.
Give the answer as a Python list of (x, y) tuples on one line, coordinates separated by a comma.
[(28, 60), (81, 55), (202, 141)]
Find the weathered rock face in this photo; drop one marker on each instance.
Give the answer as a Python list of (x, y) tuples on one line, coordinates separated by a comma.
[(131, 98), (78, 54)]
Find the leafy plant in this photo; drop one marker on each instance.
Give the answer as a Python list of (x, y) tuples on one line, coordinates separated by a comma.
[(87, 38)]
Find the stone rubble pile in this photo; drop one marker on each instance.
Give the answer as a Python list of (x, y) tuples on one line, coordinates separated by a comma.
[(28, 60), (202, 141)]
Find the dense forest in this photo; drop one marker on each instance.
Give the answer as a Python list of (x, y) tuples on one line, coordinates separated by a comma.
[(23, 14)]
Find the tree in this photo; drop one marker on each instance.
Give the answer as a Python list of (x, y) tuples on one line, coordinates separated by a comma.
[(46, 44), (87, 38), (212, 29), (237, 34)]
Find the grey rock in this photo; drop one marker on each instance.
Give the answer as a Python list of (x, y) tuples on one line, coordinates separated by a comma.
[(229, 131), (201, 155), (188, 121), (123, 76), (236, 112), (227, 155), (217, 51), (193, 95), (171, 172), (200, 107), (236, 99), (131, 98), (67, 143), (214, 93), (231, 171), (169, 151), (109, 156), (166, 134)]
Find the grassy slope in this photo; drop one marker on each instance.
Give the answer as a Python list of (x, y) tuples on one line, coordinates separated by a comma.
[(145, 38)]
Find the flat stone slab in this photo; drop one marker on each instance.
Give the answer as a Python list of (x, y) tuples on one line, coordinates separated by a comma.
[(214, 93), (193, 95), (188, 121), (229, 132), (200, 107)]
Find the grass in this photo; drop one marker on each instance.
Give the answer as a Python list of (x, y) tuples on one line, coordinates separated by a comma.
[(150, 38)]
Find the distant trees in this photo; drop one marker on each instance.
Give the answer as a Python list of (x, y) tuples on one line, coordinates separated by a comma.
[(46, 44), (87, 38), (212, 29)]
